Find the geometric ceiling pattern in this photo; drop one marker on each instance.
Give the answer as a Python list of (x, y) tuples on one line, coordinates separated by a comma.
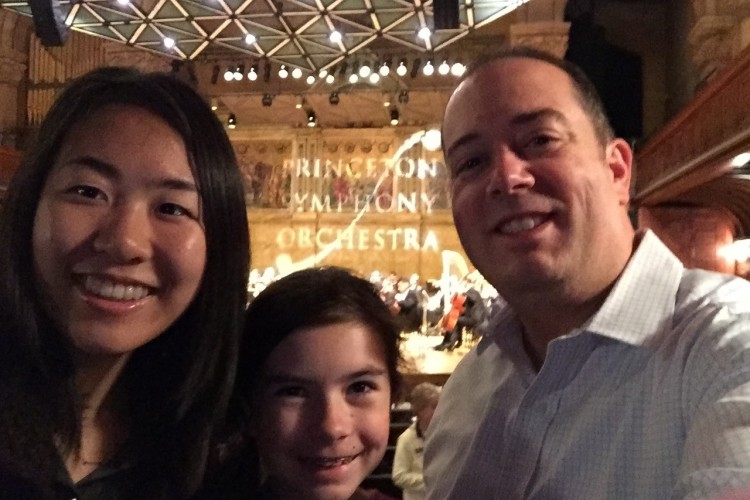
[(291, 32)]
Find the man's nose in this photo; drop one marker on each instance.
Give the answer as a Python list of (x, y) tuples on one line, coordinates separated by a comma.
[(510, 173), (125, 234)]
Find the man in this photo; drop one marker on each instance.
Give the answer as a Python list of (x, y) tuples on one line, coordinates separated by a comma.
[(609, 370)]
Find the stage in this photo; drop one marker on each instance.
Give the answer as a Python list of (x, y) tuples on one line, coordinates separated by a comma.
[(422, 363)]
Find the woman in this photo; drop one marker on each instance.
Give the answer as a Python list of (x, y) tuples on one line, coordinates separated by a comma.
[(124, 245), (317, 376)]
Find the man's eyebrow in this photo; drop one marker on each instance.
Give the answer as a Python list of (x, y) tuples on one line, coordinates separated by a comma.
[(540, 115), (463, 140)]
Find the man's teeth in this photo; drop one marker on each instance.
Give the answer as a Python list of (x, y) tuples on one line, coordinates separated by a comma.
[(521, 224), (333, 462), (113, 291)]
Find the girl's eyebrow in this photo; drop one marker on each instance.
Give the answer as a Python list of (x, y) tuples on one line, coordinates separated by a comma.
[(288, 378)]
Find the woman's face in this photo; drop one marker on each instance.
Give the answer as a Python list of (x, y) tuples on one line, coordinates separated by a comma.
[(118, 241), (324, 411)]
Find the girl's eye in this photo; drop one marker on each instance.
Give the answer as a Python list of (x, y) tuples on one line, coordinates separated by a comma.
[(362, 387), (290, 392)]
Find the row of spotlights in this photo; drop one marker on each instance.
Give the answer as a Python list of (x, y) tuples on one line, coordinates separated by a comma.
[(312, 119), (363, 72)]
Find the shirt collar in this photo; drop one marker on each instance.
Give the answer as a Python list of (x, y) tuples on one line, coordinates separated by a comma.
[(642, 301)]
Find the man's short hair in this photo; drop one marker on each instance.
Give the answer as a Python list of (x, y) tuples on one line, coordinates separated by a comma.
[(423, 395), (587, 95)]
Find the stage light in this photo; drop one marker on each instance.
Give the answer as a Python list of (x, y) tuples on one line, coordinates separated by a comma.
[(322, 73), (123, 2), (374, 78), (239, 72), (232, 121), (250, 39), (312, 120), (403, 96), (296, 73), (283, 72), (401, 69), (386, 100), (252, 75), (335, 36), (168, 42), (431, 140), (334, 99), (428, 69), (229, 75), (364, 71), (415, 67), (444, 68), (394, 116), (214, 104), (385, 68), (267, 100), (300, 102), (424, 33), (457, 69), (353, 78), (330, 78), (310, 79)]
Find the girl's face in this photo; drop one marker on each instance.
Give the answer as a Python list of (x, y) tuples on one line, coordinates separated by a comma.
[(324, 411), (118, 242)]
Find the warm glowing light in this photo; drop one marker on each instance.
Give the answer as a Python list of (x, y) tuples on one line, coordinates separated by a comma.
[(374, 78), (168, 42), (250, 39), (335, 36), (330, 78), (457, 69), (740, 160), (353, 78), (424, 33), (444, 68), (310, 79), (431, 140)]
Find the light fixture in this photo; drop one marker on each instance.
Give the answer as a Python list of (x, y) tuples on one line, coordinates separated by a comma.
[(252, 75), (374, 78), (457, 69), (431, 140), (415, 68), (740, 160), (424, 33), (168, 42), (300, 102), (330, 78), (214, 104), (267, 100), (296, 73), (239, 72), (386, 100), (123, 2), (312, 120), (353, 78), (401, 69), (334, 99), (403, 96), (322, 73), (250, 39), (364, 70), (385, 68), (428, 69), (444, 68), (232, 121), (310, 79), (394, 116), (335, 36), (229, 75), (283, 72)]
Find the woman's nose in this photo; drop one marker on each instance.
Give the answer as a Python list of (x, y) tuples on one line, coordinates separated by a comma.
[(125, 234)]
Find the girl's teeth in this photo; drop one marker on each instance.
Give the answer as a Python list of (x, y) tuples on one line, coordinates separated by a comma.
[(113, 291)]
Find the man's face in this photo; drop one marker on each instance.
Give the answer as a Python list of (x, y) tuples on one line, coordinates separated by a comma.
[(534, 192)]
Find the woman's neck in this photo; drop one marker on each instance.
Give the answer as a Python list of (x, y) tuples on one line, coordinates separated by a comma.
[(102, 430)]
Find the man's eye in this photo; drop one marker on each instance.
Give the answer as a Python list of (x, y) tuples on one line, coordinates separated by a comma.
[(290, 392), (467, 165)]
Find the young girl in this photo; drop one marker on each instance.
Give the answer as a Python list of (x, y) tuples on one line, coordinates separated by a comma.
[(124, 246), (317, 375)]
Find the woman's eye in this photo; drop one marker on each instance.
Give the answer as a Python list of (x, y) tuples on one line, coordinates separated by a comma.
[(87, 192), (173, 209)]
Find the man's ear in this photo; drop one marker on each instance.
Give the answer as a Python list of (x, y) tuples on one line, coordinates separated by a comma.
[(619, 158)]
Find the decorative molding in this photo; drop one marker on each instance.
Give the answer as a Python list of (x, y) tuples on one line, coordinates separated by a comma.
[(551, 36), (116, 54)]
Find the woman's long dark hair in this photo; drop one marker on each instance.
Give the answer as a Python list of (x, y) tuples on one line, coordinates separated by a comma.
[(175, 387)]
